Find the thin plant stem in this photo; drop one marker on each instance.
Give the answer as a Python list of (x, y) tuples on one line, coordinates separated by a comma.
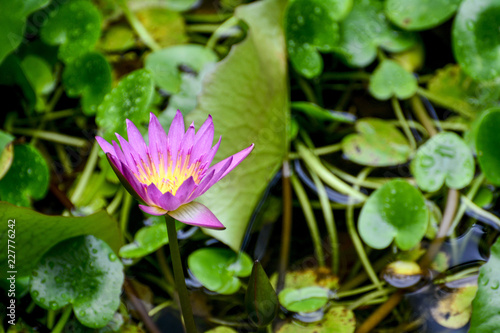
[(124, 213), (314, 163), (52, 136), (63, 319), (353, 292), (329, 221), (286, 230), (203, 28), (404, 123), (212, 41), (139, 307), (51, 317), (48, 109), (307, 90), (374, 184), (382, 311), (422, 115), (86, 174), (449, 104), (138, 27), (180, 283), (362, 300), (113, 205), (330, 149), (310, 219), (165, 270)]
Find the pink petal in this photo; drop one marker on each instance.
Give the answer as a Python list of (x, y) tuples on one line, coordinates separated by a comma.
[(136, 140), (188, 140), (217, 171), (236, 159), (175, 135), (118, 152), (131, 157), (185, 190), (105, 146), (194, 213), (168, 201), (202, 185), (203, 139), (209, 156), (157, 139), (127, 179), (154, 194), (152, 210)]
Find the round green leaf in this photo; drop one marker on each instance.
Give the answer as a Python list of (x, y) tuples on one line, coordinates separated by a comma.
[(75, 26), (164, 64), (89, 76), (337, 320), (28, 177), (39, 74), (390, 79), (444, 158), (81, 271), (365, 29), (308, 299), (378, 143), (309, 27), (487, 138), (128, 100), (6, 152), (486, 305), (454, 309), (420, 14), (476, 38), (218, 269), (118, 38), (396, 211)]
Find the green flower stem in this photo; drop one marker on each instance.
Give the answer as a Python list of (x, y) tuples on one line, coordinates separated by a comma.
[(404, 123), (311, 221), (51, 317), (86, 174), (63, 319), (180, 283), (373, 183), (422, 116), (286, 229), (373, 295), (138, 27), (358, 245), (52, 136), (447, 103), (321, 150), (314, 163), (329, 221)]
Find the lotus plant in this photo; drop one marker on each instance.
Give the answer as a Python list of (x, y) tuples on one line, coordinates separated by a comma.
[(167, 174)]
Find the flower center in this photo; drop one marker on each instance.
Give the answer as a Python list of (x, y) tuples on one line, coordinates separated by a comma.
[(168, 178)]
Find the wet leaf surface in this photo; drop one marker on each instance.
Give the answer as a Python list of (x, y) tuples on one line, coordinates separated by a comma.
[(487, 138), (27, 178), (378, 143), (395, 212), (445, 158), (390, 79), (81, 271)]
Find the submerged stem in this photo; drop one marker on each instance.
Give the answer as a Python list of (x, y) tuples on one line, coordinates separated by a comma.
[(180, 283)]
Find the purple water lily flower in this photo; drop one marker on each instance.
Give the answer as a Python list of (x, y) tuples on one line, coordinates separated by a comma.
[(173, 170)]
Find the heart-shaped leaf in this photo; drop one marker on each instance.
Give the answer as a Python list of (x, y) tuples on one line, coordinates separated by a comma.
[(487, 138), (89, 76), (390, 79), (475, 46), (39, 74), (36, 233), (310, 26), (28, 177), (13, 14), (75, 26), (165, 64), (6, 152), (365, 29), (396, 211), (257, 65), (81, 271), (444, 158), (486, 305), (454, 310), (165, 26), (261, 301), (307, 299), (378, 143), (128, 100), (337, 320), (420, 14), (218, 269)]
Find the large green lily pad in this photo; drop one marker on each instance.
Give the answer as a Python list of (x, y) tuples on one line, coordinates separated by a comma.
[(81, 271), (486, 305), (37, 233), (390, 79), (219, 269), (396, 211), (256, 65), (378, 143), (27, 178), (75, 26), (476, 40), (487, 138), (420, 14), (445, 158)]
